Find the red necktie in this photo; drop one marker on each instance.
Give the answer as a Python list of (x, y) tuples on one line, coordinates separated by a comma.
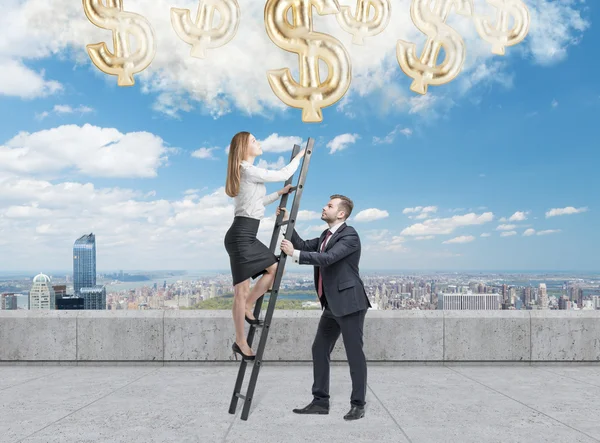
[(320, 287)]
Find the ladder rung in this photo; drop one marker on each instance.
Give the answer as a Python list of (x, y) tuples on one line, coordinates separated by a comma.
[(283, 223), (242, 396)]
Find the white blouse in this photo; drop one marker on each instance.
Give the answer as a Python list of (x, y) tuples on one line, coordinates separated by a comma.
[(252, 198)]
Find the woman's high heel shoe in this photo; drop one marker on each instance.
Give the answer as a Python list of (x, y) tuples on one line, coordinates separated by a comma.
[(252, 321), (237, 350)]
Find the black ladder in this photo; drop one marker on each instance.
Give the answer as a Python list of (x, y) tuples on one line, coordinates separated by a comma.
[(275, 287)]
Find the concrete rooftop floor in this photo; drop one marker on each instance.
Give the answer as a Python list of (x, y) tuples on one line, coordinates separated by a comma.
[(405, 403)]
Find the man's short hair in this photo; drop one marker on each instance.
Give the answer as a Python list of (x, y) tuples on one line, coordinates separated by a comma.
[(345, 205)]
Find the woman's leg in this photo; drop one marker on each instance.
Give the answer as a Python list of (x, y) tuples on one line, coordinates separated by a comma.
[(261, 286), (240, 295)]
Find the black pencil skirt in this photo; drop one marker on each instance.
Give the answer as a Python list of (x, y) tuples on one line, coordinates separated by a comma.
[(248, 256)]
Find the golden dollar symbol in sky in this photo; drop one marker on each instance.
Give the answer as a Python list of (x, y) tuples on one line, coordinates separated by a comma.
[(359, 25), (123, 24), (499, 35), (310, 94), (201, 34), (431, 20)]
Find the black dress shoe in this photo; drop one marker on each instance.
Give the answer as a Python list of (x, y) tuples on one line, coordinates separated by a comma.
[(355, 413), (313, 408)]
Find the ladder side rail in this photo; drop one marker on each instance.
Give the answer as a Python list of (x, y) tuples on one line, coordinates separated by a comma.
[(277, 282)]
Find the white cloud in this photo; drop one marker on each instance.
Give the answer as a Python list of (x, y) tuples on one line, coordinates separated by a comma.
[(485, 234), (371, 214), (277, 143), (46, 218), (31, 30), (395, 245), (505, 227), (341, 142), (548, 231), (430, 105), (204, 153), (518, 216), (382, 241), (27, 212), (508, 233), (87, 149), (425, 237), (422, 209), (438, 226), (308, 215), (270, 165), (486, 73), (16, 80), (375, 235), (529, 232), (461, 239), (554, 103), (554, 27), (391, 136), (565, 211), (425, 212), (65, 109)]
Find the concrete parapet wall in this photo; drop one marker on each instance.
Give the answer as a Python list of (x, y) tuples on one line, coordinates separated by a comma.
[(207, 335)]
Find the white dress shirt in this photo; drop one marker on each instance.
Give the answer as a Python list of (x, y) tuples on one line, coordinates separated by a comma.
[(252, 197), (296, 254)]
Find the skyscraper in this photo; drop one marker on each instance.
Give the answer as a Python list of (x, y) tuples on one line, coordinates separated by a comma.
[(41, 295), (94, 298), (543, 296), (84, 263)]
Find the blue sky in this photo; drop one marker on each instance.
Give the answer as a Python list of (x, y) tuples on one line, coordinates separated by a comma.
[(509, 148)]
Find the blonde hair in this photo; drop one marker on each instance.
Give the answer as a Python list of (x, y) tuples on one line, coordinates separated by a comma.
[(238, 148)]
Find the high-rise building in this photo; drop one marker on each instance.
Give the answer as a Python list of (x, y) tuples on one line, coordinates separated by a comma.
[(94, 297), (41, 295), (526, 296), (84, 263), (470, 302), (543, 296), (60, 291), (8, 301), (580, 297)]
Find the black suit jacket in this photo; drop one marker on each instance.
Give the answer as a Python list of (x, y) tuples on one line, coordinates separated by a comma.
[(343, 287)]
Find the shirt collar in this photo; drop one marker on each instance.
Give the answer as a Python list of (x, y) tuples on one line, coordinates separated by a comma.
[(335, 227)]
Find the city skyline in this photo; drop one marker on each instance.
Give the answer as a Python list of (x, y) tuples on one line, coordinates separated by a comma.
[(386, 291), (491, 171)]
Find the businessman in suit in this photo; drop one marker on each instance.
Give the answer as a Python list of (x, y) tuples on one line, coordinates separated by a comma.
[(335, 256)]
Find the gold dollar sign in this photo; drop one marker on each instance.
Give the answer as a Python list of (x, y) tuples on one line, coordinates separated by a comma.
[(499, 35), (359, 25), (201, 34), (123, 24), (432, 22), (310, 94)]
